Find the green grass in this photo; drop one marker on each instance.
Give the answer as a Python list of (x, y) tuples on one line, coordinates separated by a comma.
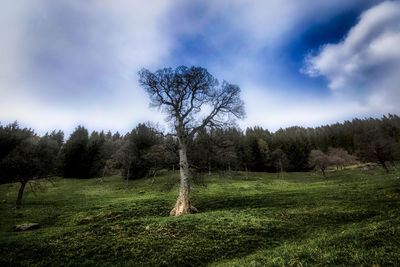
[(352, 218)]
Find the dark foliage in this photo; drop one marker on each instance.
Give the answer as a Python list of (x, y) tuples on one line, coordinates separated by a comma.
[(145, 150), (26, 156)]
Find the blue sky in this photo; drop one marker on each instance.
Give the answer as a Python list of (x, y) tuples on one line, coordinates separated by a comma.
[(303, 62)]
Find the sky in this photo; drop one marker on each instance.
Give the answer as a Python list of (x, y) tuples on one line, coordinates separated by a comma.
[(297, 62)]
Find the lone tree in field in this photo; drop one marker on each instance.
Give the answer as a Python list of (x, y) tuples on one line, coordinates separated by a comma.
[(193, 99)]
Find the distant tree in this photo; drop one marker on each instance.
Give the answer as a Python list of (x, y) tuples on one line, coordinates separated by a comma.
[(95, 155), (159, 157), (182, 94), (111, 145), (227, 154), (202, 151), (172, 147), (280, 160), (57, 136), (377, 146), (319, 161), (340, 157), (258, 155), (295, 142), (337, 161), (12, 135), (30, 158), (244, 154), (73, 156), (391, 126), (142, 139), (264, 152), (123, 159)]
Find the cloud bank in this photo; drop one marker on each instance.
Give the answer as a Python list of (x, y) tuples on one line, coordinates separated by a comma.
[(68, 62), (365, 65), (75, 62)]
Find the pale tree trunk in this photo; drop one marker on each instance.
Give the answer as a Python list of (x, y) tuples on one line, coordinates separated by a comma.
[(20, 193), (104, 173), (281, 168), (393, 165), (127, 176), (384, 166), (154, 177), (182, 205), (323, 172)]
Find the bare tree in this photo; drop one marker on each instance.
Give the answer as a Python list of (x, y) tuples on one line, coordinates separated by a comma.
[(185, 95), (159, 157), (379, 147), (340, 157), (227, 154), (280, 160), (319, 161), (122, 159)]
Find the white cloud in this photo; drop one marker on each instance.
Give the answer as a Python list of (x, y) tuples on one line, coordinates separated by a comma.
[(366, 64), (273, 109), (262, 23), (68, 62)]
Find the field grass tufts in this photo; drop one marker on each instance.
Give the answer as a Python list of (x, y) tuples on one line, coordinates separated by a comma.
[(351, 218)]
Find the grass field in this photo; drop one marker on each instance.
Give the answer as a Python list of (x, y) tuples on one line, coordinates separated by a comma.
[(352, 218)]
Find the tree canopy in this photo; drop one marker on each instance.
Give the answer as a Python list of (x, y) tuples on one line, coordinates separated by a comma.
[(192, 100)]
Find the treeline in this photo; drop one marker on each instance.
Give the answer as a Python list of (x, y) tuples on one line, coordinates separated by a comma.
[(144, 150)]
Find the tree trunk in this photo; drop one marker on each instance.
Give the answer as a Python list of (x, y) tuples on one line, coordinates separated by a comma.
[(127, 176), (20, 193), (247, 173), (154, 177), (323, 172), (182, 205), (393, 165), (104, 173), (209, 167), (385, 167)]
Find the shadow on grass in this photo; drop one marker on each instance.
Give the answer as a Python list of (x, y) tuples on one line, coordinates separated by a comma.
[(233, 223)]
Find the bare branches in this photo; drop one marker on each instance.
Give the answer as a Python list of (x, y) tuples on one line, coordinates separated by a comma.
[(183, 93), (225, 101)]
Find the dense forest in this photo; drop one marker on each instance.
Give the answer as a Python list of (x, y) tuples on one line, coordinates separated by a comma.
[(25, 155)]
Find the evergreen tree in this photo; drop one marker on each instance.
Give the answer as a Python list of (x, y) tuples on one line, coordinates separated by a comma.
[(73, 157)]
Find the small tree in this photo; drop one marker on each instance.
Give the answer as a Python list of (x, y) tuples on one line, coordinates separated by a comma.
[(73, 156), (122, 160), (264, 152), (227, 154), (31, 158), (280, 160), (159, 157), (184, 95), (109, 148), (340, 157), (377, 146), (319, 161)]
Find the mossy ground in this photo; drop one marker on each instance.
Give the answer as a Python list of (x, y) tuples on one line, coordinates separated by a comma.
[(352, 218)]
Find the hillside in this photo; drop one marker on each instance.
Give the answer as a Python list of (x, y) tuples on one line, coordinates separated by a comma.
[(352, 218)]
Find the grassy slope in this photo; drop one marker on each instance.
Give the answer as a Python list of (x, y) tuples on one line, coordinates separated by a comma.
[(352, 218)]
